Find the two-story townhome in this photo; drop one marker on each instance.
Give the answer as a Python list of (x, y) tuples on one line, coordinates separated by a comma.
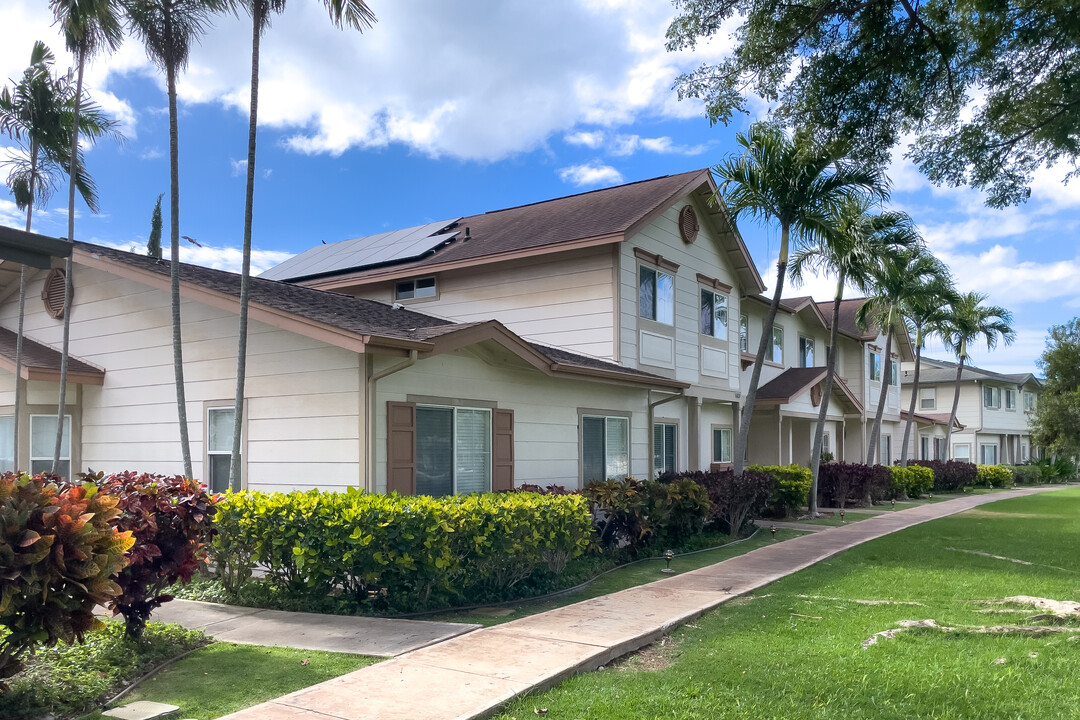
[(993, 409), (648, 276)]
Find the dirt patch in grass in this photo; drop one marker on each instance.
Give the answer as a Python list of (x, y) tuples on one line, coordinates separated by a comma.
[(651, 658), (998, 514)]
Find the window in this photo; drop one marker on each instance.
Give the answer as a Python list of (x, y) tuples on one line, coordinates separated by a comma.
[(777, 345), (605, 447), (219, 436), (927, 398), (43, 442), (1024, 452), (886, 449), (714, 314), (939, 449), (664, 447), (410, 289), (806, 352), (656, 295), (744, 333), (826, 443), (453, 450), (894, 373), (1029, 401), (7, 443), (875, 366), (991, 397), (988, 454), (721, 445), (1010, 399), (962, 452), (924, 448)]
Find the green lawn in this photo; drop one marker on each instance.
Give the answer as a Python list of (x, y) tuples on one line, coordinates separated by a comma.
[(835, 520), (794, 651), (637, 574), (225, 677)]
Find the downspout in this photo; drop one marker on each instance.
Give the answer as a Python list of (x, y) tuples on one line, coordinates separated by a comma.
[(369, 430), (652, 407)]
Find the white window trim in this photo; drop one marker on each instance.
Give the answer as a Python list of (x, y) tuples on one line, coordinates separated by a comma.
[(996, 453), (605, 415), (995, 397), (928, 393), (772, 345), (744, 333), (491, 450), (659, 422), (712, 443), (813, 350), (1005, 400), (224, 405), (727, 311), (656, 294), (875, 377), (956, 456)]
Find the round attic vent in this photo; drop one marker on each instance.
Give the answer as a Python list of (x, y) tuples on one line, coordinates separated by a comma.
[(52, 294), (688, 224)]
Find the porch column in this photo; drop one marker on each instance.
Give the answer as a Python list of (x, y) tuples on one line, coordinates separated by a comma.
[(693, 433)]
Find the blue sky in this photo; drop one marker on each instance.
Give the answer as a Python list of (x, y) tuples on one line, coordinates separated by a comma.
[(448, 109)]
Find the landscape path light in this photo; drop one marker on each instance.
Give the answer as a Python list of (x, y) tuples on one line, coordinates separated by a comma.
[(668, 555)]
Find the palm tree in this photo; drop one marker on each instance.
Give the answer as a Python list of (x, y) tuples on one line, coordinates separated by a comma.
[(799, 183), (167, 29), (900, 276), (849, 251), (965, 321), (38, 113), (88, 26), (352, 13), (925, 313)]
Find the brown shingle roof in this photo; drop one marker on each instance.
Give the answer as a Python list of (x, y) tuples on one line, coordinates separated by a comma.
[(37, 356), (790, 383), (848, 325)]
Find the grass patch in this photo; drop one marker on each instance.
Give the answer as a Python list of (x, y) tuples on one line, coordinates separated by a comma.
[(834, 519), (639, 573), (66, 680), (794, 651), (226, 677)]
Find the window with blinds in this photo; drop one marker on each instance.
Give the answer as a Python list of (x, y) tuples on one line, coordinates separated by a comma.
[(453, 450), (664, 435), (605, 447)]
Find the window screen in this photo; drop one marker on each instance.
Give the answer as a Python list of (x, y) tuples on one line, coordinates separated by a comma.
[(43, 442), (664, 447), (714, 314), (219, 448), (453, 450), (605, 448)]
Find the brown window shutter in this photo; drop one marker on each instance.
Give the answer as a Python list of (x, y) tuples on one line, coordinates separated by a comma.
[(401, 448), (502, 456)]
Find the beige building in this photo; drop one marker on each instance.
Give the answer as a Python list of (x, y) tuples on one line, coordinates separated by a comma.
[(993, 408)]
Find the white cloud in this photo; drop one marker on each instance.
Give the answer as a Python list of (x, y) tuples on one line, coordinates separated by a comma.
[(1016, 358), (11, 215), (589, 174), (151, 154), (592, 140), (219, 258), (623, 145), (238, 167)]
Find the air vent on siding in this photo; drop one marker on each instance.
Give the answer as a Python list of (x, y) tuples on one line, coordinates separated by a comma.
[(52, 294), (688, 224)]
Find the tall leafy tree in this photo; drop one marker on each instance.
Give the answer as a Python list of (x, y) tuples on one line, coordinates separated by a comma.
[(965, 322), (898, 277), (343, 13), (988, 89), (38, 112), (89, 26), (168, 28), (850, 251), (153, 243), (798, 183), (924, 313), (1055, 424)]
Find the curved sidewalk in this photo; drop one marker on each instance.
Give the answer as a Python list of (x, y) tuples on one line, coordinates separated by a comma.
[(470, 676)]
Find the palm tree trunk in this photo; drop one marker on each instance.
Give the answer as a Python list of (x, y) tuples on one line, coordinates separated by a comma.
[(914, 399), (826, 393), (174, 265), (22, 311), (245, 272), (739, 456), (875, 433), (955, 403), (61, 405)]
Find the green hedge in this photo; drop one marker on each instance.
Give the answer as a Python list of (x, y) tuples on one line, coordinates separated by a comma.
[(993, 476), (792, 490), (397, 553), (912, 481), (1025, 474)]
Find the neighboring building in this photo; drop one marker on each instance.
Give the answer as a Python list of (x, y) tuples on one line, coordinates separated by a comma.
[(993, 409)]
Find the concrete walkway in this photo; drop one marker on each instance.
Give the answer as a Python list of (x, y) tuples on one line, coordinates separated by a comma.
[(471, 675), (381, 637)]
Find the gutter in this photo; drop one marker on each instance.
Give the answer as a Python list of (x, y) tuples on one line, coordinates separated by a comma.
[(369, 411)]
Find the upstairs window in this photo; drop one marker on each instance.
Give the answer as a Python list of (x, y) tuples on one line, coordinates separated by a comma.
[(411, 289), (991, 397), (894, 373), (656, 295), (744, 333), (1010, 399), (1029, 401), (806, 352), (777, 350), (714, 314), (927, 398), (875, 366)]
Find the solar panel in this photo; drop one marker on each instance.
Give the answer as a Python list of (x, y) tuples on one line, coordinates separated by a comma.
[(361, 252)]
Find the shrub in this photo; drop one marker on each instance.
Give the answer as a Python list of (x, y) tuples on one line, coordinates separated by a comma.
[(1057, 469), (399, 553), (920, 482), (993, 476), (677, 509), (618, 508), (170, 519), (1025, 474), (791, 491), (949, 476), (58, 553), (736, 500), (840, 483)]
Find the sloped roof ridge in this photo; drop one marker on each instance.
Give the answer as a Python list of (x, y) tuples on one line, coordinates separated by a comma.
[(1014, 377), (589, 192)]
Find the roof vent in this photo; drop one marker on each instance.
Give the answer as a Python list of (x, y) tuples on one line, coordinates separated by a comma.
[(52, 294), (688, 224)]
